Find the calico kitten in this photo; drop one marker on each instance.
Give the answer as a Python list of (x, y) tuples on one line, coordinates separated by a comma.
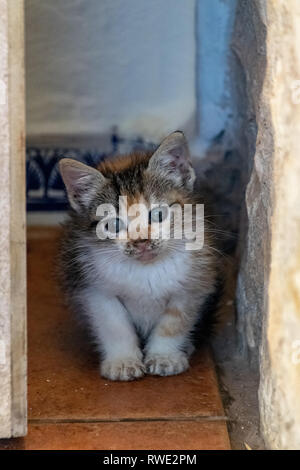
[(141, 297)]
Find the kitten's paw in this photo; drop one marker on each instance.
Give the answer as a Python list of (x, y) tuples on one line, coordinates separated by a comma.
[(122, 369), (171, 364)]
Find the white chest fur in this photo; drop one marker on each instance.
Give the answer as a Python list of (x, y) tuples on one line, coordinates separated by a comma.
[(144, 289)]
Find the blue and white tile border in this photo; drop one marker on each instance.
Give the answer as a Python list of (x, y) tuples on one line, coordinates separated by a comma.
[(44, 187)]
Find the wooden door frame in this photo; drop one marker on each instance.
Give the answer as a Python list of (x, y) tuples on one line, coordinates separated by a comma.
[(13, 347)]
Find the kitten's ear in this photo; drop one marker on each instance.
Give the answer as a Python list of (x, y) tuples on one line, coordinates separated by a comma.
[(82, 182), (172, 160)]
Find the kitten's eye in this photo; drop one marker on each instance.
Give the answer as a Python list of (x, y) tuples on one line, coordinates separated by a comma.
[(158, 214), (114, 225)]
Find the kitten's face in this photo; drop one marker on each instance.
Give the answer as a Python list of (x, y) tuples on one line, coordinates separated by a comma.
[(142, 222), (135, 195)]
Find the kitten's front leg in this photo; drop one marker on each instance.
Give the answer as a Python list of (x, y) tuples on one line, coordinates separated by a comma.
[(115, 336), (169, 346)]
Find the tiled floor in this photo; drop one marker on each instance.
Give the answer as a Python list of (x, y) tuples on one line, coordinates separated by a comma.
[(72, 407)]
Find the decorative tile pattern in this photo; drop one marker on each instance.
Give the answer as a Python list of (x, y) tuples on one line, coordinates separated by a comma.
[(44, 187)]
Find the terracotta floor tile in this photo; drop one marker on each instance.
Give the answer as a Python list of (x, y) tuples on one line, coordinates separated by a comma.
[(120, 436), (64, 381)]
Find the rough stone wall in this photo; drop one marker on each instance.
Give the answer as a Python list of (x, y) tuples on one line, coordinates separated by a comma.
[(267, 44), (249, 44)]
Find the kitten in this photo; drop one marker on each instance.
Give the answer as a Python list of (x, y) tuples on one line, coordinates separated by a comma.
[(141, 297)]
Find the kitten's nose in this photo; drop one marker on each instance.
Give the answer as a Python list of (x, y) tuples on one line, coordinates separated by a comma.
[(141, 244)]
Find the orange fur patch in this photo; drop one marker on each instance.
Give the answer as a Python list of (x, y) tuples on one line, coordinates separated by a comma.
[(136, 198), (174, 325), (171, 330), (174, 312), (121, 163)]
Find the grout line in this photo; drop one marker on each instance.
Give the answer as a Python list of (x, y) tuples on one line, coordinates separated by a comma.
[(125, 420)]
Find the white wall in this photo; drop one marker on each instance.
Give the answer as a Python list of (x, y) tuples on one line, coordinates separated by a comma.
[(148, 67), (96, 64)]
